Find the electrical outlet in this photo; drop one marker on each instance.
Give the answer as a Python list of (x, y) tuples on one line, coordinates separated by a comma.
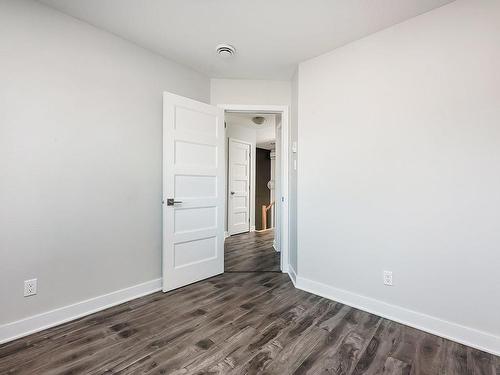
[(388, 278), (30, 287)]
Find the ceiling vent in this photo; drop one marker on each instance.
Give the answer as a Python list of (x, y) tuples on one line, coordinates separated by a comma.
[(259, 120), (225, 50)]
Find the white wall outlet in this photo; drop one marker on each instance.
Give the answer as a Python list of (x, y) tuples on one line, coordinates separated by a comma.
[(30, 287), (388, 278)]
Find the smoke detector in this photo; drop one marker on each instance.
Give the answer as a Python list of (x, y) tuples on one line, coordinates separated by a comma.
[(259, 120), (225, 50)]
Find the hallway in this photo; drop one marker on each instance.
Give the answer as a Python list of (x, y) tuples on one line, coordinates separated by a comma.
[(251, 252)]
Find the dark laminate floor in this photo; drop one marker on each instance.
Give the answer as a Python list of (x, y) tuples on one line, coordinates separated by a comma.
[(238, 323), (251, 252)]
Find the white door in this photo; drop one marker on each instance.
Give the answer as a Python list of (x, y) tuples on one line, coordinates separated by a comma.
[(193, 191), (239, 187)]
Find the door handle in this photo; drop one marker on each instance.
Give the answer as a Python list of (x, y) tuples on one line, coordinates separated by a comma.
[(232, 193), (172, 201)]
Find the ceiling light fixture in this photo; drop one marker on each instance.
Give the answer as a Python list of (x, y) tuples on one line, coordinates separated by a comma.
[(259, 120), (225, 50)]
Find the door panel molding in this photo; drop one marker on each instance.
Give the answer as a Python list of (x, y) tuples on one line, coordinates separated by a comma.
[(193, 175), (239, 183)]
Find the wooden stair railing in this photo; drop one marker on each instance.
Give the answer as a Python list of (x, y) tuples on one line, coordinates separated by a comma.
[(264, 214)]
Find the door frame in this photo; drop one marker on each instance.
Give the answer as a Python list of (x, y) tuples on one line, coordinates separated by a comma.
[(251, 199), (283, 110)]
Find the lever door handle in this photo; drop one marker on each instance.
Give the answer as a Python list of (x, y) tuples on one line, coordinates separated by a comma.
[(232, 193), (172, 201)]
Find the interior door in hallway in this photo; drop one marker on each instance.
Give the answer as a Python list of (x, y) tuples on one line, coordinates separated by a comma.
[(193, 191), (239, 187)]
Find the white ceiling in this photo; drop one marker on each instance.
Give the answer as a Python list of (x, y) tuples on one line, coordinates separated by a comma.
[(265, 134), (245, 119), (271, 36)]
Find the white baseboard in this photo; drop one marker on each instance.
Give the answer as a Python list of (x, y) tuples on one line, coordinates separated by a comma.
[(252, 228), (275, 246), (448, 330), (36, 323), (263, 230), (226, 234), (292, 274)]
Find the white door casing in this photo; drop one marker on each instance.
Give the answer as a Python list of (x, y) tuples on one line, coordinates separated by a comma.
[(239, 186), (278, 187), (282, 169), (193, 174)]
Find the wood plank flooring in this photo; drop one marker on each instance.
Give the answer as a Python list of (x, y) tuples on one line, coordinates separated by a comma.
[(251, 252), (239, 323)]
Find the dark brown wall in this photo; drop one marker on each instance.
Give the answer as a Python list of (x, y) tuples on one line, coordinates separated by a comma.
[(262, 193)]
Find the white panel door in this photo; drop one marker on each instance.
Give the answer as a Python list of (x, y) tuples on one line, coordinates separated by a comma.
[(193, 191), (239, 187)]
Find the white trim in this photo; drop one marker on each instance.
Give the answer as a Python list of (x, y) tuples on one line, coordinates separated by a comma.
[(36, 323), (293, 275), (275, 246), (448, 330), (285, 150), (262, 109), (264, 231), (284, 190), (226, 234), (252, 228)]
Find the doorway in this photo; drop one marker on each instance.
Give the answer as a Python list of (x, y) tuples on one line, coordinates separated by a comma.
[(195, 176), (256, 215)]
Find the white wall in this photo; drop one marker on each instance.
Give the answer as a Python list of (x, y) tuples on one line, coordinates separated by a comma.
[(405, 127), (80, 158), (267, 134), (241, 91)]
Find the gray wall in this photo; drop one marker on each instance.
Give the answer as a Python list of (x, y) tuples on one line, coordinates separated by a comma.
[(399, 166), (80, 158), (247, 91)]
